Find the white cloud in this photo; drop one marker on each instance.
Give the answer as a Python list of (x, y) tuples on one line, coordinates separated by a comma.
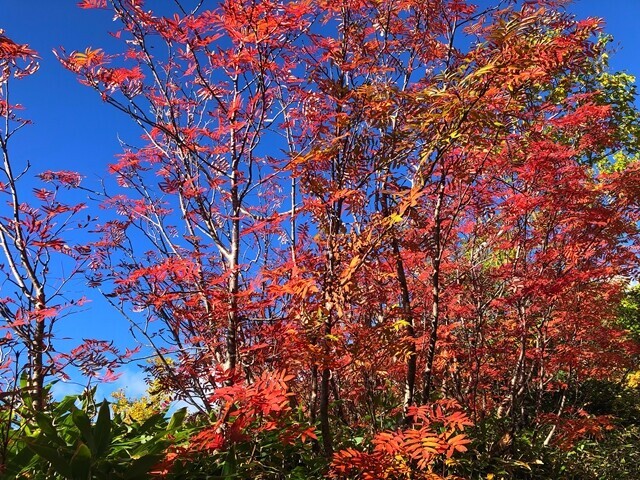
[(131, 381)]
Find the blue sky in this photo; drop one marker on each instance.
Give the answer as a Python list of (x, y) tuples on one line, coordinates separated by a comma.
[(621, 20), (74, 130)]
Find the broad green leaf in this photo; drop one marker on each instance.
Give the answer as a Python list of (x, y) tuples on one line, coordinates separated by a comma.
[(83, 422), (46, 426), (151, 422), (19, 462), (102, 429), (24, 388), (24, 380), (81, 463), (139, 468), (176, 419), (56, 457), (65, 405), (230, 466)]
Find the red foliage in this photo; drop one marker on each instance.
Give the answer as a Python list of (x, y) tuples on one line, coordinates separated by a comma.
[(359, 194), (412, 451), (33, 234), (246, 412)]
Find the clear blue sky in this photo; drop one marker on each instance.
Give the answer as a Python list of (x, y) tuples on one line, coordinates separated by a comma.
[(74, 130), (621, 20)]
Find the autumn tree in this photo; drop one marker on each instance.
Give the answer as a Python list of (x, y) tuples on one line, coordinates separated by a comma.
[(33, 237), (38, 262), (379, 204), (42, 256)]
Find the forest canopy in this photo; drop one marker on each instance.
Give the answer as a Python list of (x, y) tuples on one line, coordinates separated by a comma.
[(368, 239)]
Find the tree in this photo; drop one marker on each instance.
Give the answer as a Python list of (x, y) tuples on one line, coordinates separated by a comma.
[(33, 235), (391, 201), (41, 253)]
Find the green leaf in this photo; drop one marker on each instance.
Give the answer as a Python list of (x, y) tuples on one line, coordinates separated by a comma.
[(81, 463), (176, 419), (140, 467), (151, 422), (65, 405), (46, 426), (19, 462), (24, 388), (83, 422), (152, 446), (52, 455), (24, 380), (230, 466), (102, 429)]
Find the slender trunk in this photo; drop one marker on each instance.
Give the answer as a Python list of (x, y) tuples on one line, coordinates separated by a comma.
[(433, 337), (519, 379), (325, 380), (325, 427), (36, 355), (234, 250), (25, 276), (435, 295), (232, 318), (313, 401), (508, 405), (342, 414), (313, 405), (409, 330), (548, 438), (325, 376)]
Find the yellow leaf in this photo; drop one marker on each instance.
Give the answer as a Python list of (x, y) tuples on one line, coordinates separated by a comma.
[(399, 324), (395, 218)]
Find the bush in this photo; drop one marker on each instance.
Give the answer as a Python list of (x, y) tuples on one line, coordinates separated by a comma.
[(87, 442)]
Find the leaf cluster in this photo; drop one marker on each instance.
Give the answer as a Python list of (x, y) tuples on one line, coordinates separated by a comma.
[(84, 442)]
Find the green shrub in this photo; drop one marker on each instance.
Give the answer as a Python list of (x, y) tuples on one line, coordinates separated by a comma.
[(88, 442)]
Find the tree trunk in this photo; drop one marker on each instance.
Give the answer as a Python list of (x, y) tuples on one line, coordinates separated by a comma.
[(325, 427), (435, 294)]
